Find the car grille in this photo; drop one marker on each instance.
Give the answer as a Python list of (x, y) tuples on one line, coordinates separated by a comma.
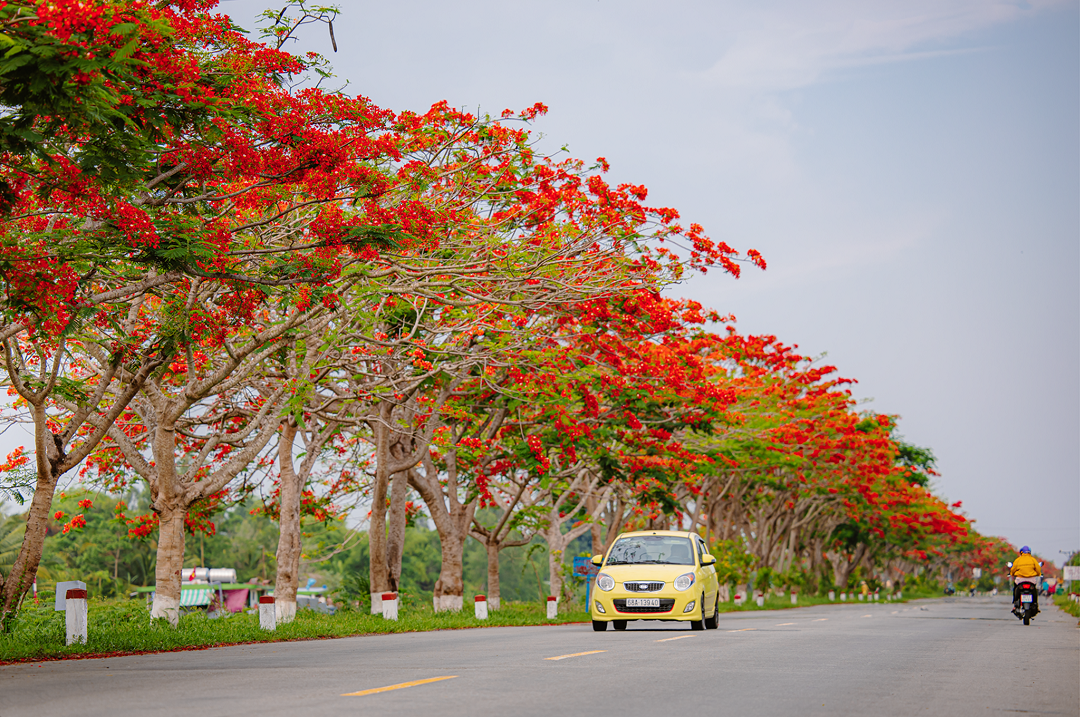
[(640, 586), (666, 604)]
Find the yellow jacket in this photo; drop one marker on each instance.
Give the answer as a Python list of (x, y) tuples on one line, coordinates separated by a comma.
[(1025, 566)]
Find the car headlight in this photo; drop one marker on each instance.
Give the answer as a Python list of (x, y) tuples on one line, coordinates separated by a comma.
[(605, 582), (683, 582)]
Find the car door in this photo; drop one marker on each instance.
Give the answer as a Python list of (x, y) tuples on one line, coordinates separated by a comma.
[(708, 576)]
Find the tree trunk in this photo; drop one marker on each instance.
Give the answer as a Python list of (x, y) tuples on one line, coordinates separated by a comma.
[(492, 575), (597, 536), (377, 565), (554, 573), (452, 525), (24, 570), (170, 561), (395, 542), (450, 589), (290, 536)]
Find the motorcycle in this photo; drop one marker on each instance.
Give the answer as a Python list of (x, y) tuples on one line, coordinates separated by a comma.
[(1028, 607)]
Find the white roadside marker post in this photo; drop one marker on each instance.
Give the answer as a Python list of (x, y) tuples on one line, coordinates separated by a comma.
[(738, 599), (552, 607), (267, 613), (843, 597), (389, 606), (794, 599), (75, 614), (832, 596), (760, 600), (481, 607)]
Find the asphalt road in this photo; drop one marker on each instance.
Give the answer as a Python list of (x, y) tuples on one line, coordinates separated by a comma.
[(958, 656)]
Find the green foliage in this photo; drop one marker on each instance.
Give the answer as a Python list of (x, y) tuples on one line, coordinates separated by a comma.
[(733, 561), (919, 462), (100, 554), (1069, 606), (11, 534)]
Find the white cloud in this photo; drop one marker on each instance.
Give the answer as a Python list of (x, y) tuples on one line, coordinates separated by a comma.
[(787, 45)]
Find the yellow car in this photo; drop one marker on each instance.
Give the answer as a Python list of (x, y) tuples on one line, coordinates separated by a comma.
[(656, 575)]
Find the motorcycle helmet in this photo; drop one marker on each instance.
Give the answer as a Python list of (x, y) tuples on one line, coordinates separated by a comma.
[(1025, 549)]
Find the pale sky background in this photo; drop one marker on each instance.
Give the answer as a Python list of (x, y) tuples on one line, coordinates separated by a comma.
[(909, 169)]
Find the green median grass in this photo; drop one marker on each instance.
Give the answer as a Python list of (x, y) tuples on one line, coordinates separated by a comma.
[(119, 627), (1069, 606)]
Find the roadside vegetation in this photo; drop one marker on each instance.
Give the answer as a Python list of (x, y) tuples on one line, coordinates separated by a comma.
[(1066, 603)]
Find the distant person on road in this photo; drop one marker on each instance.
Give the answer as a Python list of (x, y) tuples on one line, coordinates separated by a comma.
[(1024, 567)]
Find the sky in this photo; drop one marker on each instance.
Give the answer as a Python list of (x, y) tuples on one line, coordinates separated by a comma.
[(910, 171)]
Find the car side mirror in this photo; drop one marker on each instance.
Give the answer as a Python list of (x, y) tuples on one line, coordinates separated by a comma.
[(598, 560), (708, 559)]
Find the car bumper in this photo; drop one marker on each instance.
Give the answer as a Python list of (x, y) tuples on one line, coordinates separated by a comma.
[(607, 601)]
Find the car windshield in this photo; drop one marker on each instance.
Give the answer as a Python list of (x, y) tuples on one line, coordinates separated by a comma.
[(651, 549)]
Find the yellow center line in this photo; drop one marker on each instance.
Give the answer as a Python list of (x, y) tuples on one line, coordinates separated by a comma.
[(576, 654), (680, 637), (785, 623), (820, 619), (867, 615), (414, 683), (745, 629)]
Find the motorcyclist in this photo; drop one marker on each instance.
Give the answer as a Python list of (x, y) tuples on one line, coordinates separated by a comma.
[(1024, 569)]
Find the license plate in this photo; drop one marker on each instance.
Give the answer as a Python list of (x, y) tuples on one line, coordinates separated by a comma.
[(1025, 598), (642, 602)]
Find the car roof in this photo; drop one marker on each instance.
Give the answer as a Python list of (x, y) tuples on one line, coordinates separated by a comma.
[(679, 533)]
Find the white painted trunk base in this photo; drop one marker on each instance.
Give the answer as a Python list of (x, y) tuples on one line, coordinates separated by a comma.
[(376, 603), (75, 614), (166, 607), (267, 616), (448, 603), (493, 603), (285, 612)]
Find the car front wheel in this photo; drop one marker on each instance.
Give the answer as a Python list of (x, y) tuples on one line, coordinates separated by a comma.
[(711, 623), (699, 624)]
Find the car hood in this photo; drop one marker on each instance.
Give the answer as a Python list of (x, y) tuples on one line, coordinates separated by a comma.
[(666, 573)]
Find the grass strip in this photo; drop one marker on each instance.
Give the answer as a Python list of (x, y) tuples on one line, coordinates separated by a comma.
[(123, 627), (1069, 606)]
